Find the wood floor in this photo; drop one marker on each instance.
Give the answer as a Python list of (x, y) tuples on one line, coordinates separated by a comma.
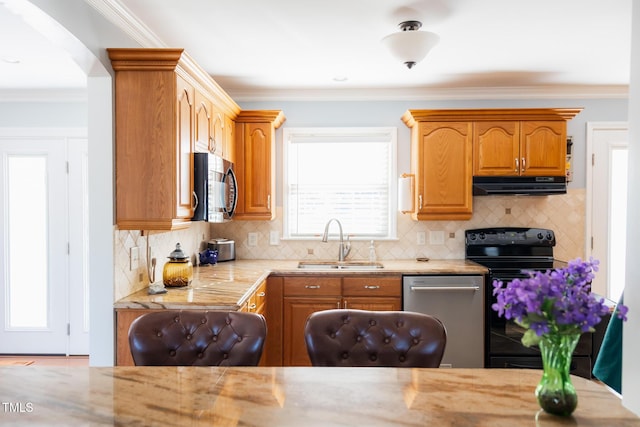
[(40, 360)]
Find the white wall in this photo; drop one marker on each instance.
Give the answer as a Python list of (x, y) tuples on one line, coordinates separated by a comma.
[(631, 344)]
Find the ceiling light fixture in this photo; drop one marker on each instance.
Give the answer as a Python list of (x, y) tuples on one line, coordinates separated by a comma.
[(410, 45)]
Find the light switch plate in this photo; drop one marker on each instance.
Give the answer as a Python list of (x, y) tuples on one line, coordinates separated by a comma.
[(421, 238), (274, 238), (252, 239)]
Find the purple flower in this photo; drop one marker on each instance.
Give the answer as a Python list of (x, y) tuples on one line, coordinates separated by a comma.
[(554, 302)]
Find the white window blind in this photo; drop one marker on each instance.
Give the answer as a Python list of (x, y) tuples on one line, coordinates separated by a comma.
[(343, 173)]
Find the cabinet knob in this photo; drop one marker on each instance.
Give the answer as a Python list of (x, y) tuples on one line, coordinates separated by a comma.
[(523, 165), (517, 166), (420, 202), (261, 294), (372, 286), (312, 286)]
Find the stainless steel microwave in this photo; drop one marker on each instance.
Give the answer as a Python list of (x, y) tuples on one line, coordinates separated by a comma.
[(215, 188)]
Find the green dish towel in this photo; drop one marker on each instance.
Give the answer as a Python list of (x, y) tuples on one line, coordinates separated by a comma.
[(608, 366)]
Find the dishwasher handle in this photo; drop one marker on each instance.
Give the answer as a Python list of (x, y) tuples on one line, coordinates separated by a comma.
[(445, 288)]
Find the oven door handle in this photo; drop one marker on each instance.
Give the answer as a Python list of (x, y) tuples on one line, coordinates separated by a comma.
[(445, 288)]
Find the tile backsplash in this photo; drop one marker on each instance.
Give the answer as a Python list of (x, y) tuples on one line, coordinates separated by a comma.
[(564, 214)]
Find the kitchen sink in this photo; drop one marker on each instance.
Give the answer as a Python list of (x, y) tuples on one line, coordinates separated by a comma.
[(340, 265)]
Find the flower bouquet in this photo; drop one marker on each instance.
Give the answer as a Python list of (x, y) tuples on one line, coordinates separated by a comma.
[(555, 307)]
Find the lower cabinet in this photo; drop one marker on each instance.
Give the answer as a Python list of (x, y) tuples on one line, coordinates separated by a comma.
[(303, 295)]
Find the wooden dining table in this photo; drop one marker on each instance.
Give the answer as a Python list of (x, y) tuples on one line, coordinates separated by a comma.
[(291, 396)]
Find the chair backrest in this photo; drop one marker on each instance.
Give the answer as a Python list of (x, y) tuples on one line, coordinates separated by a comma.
[(341, 337), (197, 338)]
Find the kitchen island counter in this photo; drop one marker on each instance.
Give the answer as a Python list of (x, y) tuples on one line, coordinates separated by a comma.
[(227, 285), (293, 396)]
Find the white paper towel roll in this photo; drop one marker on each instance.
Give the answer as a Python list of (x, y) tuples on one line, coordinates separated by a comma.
[(405, 195)]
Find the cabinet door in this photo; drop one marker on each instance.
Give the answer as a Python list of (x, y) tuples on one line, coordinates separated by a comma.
[(202, 124), (217, 134), (256, 171), (184, 151), (444, 170), (228, 150), (124, 319), (496, 148), (543, 148), (296, 311)]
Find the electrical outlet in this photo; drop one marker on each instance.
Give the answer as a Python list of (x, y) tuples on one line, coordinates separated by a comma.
[(436, 237), (134, 258), (421, 238), (252, 239), (274, 238)]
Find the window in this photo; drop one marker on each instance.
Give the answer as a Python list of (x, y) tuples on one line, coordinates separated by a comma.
[(343, 173)]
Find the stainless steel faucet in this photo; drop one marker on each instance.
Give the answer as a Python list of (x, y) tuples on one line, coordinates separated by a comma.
[(343, 249)]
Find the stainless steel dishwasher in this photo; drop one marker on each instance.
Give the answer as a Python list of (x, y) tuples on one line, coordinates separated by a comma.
[(457, 300)]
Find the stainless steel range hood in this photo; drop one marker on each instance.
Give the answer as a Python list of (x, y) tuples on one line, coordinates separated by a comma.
[(519, 185)]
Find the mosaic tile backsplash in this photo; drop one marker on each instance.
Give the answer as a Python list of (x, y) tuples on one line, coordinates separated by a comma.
[(564, 214)]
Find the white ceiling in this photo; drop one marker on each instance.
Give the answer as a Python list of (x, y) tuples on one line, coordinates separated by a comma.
[(286, 49)]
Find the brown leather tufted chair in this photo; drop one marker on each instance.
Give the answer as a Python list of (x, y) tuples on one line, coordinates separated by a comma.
[(374, 338), (197, 338)]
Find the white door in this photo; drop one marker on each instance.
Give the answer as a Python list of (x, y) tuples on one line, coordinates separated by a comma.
[(38, 282), (607, 204)]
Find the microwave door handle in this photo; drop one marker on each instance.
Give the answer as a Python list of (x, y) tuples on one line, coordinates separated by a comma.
[(195, 200)]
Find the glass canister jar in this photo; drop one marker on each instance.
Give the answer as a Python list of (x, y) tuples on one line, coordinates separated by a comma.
[(178, 271)]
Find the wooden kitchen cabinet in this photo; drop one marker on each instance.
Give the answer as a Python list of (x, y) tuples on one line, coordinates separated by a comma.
[(255, 163), (378, 293), (228, 148), (449, 147), (163, 114), (441, 163), (520, 148), (303, 295)]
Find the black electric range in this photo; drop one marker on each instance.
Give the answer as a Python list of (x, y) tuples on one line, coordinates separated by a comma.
[(507, 252)]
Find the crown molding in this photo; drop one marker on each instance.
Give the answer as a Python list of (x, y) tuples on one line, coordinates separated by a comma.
[(432, 94)]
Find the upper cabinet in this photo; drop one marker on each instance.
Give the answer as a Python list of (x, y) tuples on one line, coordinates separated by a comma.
[(255, 163), (449, 147), (164, 111), (524, 148)]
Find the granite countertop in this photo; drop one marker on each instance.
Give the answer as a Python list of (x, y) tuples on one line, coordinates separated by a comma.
[(227, 285), (293, 396)]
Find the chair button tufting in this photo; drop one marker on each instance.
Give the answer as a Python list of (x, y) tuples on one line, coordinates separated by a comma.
[(345, 355), (214, 338), (359, 338), (159, 334), (373, 357), (188, 337), (332, 335), (176, 319), (203, 320), (402, 358), (416, 341), (228, 322), (239, 339), (172, 353), (200, 355), (387, 340), (372, 322), (226, 355)]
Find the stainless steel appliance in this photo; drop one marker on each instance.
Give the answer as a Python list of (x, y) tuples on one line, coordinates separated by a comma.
[(507, 251), (225, 249), (214, 188), (457, 300)]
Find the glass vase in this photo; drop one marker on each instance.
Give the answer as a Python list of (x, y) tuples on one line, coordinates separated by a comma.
[(555, 392)]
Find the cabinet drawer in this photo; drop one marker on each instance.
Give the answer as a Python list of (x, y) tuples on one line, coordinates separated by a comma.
[(306, 286), (372, 286)]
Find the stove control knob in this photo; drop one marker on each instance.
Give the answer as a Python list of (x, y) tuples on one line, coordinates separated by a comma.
[(482, 236), (540, 236), (472, 236), (549, 236)]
